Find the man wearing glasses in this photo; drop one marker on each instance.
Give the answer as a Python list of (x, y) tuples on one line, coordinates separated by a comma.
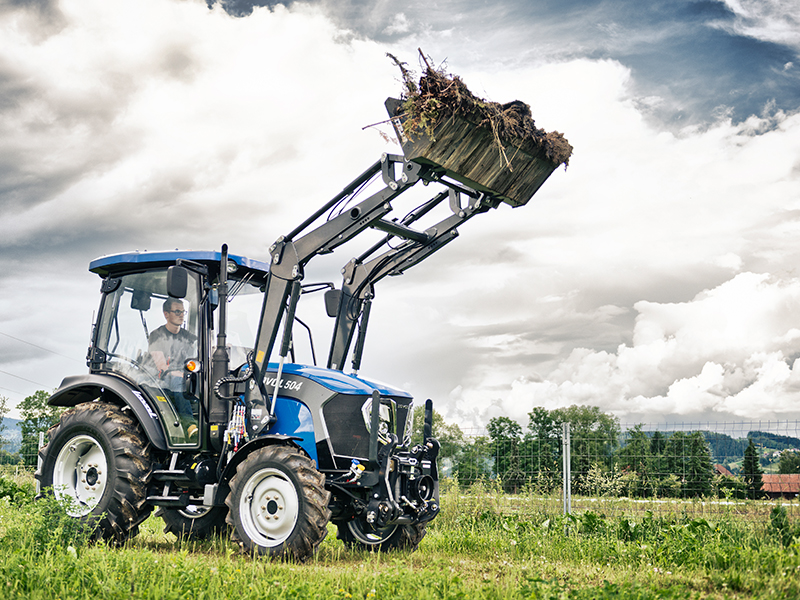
[(171, 346)]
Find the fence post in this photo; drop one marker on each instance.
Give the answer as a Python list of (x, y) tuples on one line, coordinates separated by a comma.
[(39, 461), (566, 458)]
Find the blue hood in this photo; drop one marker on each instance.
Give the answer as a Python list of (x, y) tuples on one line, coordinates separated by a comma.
[(339, 382)]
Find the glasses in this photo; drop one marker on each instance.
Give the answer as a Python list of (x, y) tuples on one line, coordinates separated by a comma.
[(180, 313)]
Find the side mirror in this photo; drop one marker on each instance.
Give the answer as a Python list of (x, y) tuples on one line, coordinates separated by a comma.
[(177, 281), (333, 299), (213, 298), (140, 300)]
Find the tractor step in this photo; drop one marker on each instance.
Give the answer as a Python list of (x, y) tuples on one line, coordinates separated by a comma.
[(181, 501), (172, 475)]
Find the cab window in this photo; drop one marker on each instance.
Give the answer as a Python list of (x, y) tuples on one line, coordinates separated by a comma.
[(147, 338)]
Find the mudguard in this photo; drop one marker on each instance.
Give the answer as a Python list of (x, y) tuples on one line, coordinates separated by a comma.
[(255, 444), (78, 389)]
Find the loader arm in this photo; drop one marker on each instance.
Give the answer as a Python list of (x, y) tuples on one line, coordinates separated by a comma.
[(360, 276), (456, 153), (289, 257)]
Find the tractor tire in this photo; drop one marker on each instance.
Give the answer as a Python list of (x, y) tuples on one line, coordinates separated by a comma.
[(278, 505), (358, 534), (97, 460), (194, 522)]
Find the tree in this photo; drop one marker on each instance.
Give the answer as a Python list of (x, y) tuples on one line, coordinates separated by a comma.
[(541, 449), (594, 437), (674, 462), (37, 416), (751, 472), (730, 487), (634, 458), (449, 435), (3, 413), (688, 458), (658, 462), (789, 462), (459, 457), (699, 468), (506, 436), (473, 463)]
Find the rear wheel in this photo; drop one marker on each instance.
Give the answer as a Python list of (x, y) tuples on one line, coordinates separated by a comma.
[(278, 505), (97, 461), (357, 533), (194, 522)]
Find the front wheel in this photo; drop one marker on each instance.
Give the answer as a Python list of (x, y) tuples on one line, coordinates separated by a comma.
[(97, 462), (357, 533), (277, 503)]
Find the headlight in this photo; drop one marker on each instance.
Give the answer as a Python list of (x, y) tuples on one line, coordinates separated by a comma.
[(386, 419)]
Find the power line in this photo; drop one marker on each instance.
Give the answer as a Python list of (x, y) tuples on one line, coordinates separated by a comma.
[(12, 391), (23, 379), (39, 347)]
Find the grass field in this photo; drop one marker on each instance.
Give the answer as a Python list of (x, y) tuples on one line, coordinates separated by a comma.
[(477, 548)]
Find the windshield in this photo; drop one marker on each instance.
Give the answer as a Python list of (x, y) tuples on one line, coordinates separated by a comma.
[(244, 312), (148, 337)]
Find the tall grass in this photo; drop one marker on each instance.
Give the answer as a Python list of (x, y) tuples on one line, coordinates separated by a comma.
[(478, 547)]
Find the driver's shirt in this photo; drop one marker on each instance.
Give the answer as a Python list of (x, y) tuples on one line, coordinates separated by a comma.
[(176, 347)]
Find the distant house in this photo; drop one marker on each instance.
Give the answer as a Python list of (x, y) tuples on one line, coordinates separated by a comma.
[(773, 485), (781, 485), (722, 470)]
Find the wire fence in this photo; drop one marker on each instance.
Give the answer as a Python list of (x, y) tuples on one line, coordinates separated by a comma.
[(698, 469), (701, 469)]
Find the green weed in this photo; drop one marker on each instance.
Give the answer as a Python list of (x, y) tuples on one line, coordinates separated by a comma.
[(18, 494), (781, 528), (44, 526), (482, 546)]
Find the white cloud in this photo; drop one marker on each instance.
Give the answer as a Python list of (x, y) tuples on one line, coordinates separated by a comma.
[(640, 199), (185, 112), (727, 352), (769, 20), (400, 25), (729, 260)]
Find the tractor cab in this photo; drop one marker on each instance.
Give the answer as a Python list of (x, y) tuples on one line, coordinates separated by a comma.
[(156, 329)]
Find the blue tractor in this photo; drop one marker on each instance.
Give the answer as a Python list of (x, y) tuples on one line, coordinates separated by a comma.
[(186, 410)]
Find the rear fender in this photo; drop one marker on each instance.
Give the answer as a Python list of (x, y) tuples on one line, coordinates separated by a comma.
[(86, 388)]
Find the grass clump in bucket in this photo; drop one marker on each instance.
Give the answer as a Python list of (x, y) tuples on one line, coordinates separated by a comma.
[(439, 95)]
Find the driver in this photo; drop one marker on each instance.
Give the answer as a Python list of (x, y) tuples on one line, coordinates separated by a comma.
[(170, 347)]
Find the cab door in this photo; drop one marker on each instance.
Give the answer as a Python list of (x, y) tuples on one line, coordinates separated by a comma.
[(148, 338)]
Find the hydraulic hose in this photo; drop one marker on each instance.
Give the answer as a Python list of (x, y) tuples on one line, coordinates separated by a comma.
[(247, 375)]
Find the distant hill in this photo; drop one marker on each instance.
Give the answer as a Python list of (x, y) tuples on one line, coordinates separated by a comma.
[(12, 435), (724, 448), (773, 441), (727, 450)]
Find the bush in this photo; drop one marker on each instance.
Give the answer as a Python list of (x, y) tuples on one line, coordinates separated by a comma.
[(50, 529), (17, 494), (780, 527)]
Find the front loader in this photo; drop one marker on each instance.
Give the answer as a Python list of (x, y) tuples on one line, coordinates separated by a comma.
[(236, 436)]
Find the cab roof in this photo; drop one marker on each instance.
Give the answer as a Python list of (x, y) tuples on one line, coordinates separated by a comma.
[(137, 261)]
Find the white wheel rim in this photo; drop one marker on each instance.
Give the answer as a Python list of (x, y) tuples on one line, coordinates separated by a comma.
[(371, 538), (80, 474), (269, 507)]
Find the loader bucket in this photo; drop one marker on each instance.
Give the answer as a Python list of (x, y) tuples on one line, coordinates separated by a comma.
[(467, 153)]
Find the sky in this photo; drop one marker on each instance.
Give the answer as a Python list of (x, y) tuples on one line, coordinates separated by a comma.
[(656, 277)]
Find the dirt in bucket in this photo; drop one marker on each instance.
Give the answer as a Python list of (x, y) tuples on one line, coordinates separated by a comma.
[(438, 95)]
